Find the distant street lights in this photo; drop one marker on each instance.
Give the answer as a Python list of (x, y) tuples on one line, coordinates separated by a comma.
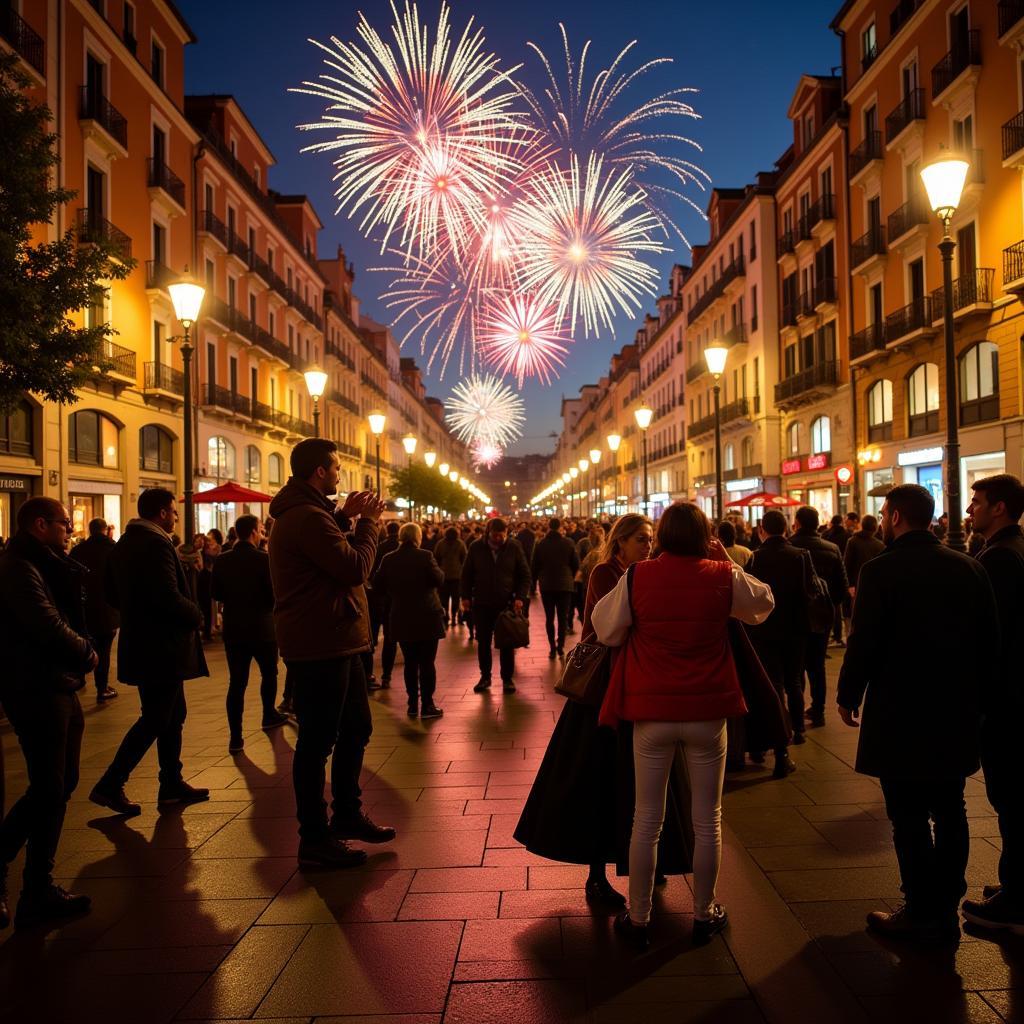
[(614, 440), (316, 384), (715, 356), (573, 474), (409, 443), (643, 417), (584, 465), (377, 421), (595, 458)]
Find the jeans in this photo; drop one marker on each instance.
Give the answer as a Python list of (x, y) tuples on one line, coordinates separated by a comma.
[(49, 727), (450, 599), (333, 714), (1001, 762), (102, 644), (932, 867), (240, 654), (814, 663), (163, 715), (420, 673), (556, 604), (654, 745), (485, 617)]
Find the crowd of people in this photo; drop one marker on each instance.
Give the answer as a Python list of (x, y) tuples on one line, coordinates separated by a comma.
[(712, 642)]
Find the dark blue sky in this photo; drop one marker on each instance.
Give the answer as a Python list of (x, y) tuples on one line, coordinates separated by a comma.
[(744, 56)]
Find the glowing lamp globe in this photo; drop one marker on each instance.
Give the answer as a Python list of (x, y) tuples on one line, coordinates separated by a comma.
[(316, 381), (409, 444), (944, 182), (443, 469), (454, 476), (430, 458), (614, 440), (584, 465), (595, 456), (643, 417), (377, 421), (566, 478), (573, 472), (187, 298), (715, 356)]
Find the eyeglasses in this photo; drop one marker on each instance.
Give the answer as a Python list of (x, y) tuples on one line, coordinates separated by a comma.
[(66, 523)]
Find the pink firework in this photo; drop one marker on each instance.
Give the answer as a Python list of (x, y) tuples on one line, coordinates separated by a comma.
[(485, 454), (523, 337)]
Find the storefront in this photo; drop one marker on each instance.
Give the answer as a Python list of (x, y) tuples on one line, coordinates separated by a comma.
[(94, 499), (976, 467), (811, 481), (14, 492), (735, 490), (923, 466)]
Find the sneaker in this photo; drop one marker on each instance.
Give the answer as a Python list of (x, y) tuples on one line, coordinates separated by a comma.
[(361, 828), (507, 686), (108, 694), (484, 684), (995, 913), (49, 904), (600, 891), (116, 799), (784, 766), (286, 707), (329, 853), (705, 928), (431, 711), (274, 720), (900, 925), (235, 744), (636, 935), (181, 793)]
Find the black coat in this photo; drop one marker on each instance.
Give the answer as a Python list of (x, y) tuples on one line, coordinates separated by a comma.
[(860, 549), (827, 560), (787, 570), (922, 657), (241, 580), (160, 622), (527, 541), (408, 579), (93, 553), (839, 536), (495, 581), (555, 564), (1002, 558), (42, 618)]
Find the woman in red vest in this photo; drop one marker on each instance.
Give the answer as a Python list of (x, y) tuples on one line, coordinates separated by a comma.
[(676, 680)]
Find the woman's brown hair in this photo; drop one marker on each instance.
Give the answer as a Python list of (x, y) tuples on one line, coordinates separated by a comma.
[(624, 528), (684, 530)]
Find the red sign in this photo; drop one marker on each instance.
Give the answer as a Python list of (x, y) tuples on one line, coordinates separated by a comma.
[(791, 466), (844, 474), (817, 461)]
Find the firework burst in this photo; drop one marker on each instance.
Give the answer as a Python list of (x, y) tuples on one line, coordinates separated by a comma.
[(485, 454), (485, 409), (524, 338)]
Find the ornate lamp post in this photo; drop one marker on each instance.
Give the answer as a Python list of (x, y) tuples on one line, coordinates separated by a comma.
[(944, 182), (573, 474), (614, 440), (187, 298), (595, 458), (584, 465), (377, 421), (409, 444), (316, 384), (715, 356), (643, 417)]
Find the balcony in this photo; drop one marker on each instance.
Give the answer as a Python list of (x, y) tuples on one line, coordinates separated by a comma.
[(158, 276), (736, 335), (807, 386), (909, 112), (866, 156), (1013, 141), (952, 69), (103, 122), (293, 425), (212, 225), (909, 323), (262, 413), (237, 248), (120, 361), (350, 449), (805, 306), (907, 223), (972, 293), (867, 343), (161, 379), (344, 401), (825, 293), (23, 39), (216, 397), (165, 187), (1013, 268), (822, 214), (868, 250), (95, 230), (790, 313), (901, 14), (787, 244), (734, 270), (696, 371), (729, 413), (1011, 19)]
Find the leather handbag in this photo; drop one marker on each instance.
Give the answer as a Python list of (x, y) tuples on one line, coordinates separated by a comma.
[(586, 673), (511, 630)]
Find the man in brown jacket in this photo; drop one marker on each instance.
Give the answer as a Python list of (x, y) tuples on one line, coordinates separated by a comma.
[(322, 625)]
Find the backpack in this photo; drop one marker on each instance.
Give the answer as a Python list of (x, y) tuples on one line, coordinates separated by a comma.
[(820, 609)]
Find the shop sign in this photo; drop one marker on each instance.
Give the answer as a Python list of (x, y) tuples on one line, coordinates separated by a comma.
[(844, 474), (919, 457), (818, 461), (750, 483), (791, 466), (16, 483)]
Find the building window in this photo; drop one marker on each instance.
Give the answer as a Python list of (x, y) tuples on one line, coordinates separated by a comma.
[(729, 457), (868, 46), (253, 465), (156, 450), (794, 438), (16, 430), (747, 452), (880, 411), (93, 440), (220, 458), (156, 65), (275, 469), (821, 435), (979, 383), (923, 400)]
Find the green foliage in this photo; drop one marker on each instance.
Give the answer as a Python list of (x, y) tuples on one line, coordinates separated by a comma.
[(43, 286), (425, 486)]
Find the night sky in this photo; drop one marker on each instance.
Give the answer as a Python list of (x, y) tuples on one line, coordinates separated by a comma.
[(745, 57)]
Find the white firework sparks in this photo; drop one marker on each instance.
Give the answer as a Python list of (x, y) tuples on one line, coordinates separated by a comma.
[(485, 454), (523, 337), (485, 409)]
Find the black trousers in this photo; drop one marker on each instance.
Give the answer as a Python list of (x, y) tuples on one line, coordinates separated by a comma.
[(333, 713), (240, 655), (102, 644), (814, 664), (784, 664), (837, 624), (49, 727), (929, 832), (163, 715), (485, 617), (556, 606), (389, 649), (1000, 759), (450, 590), (420, 672)]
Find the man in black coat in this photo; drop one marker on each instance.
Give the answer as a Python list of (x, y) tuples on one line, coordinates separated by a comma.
[(46, 652), (379, 616), (495, 576), (996, 510), (100, 617), (159, 648), (828, 565), (555, 564), (860, 549), (781, 640), (922, 659), (241, 580)]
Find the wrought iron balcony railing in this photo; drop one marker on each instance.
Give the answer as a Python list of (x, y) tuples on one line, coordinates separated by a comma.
[(24, 39), (93, 106), (162, 177), (965, 53), (96, 230)]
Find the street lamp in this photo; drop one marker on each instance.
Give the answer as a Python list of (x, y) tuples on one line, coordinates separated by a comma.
[(430, 458), (316, 384), (443, 469), (715, 356), (573, 474), (643, 417), (454, 476), (944, 182), (377, 421), (187, 298), (614, 440), (409, 444), (595, 458), (584, 465)]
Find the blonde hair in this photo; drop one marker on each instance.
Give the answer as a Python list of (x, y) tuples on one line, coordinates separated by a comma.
[(410, 532), (624, 528)]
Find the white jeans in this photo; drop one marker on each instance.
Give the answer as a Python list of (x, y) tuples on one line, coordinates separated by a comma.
[(654, 745)]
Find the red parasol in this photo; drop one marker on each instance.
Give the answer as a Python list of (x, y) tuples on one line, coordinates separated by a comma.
[(229, 493), (763, 499)]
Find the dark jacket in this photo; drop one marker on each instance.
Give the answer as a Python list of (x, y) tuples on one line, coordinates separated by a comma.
[(1002, 558), (555, 563), (160, 622), (860, 549), (93, 553), (320, 609), (787, 570), (527, 541), (922, 657), (827, 561), (839, 536), (241, 580), (451, 556), (408, 579), (495, 578), (42, 618)]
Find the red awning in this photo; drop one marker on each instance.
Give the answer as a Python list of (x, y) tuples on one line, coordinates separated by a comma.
[(763, 499), (229, 493)]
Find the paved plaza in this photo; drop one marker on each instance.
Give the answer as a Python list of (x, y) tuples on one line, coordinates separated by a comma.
[(203, 915)]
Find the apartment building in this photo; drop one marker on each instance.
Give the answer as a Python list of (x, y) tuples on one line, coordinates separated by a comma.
[(920, 77)]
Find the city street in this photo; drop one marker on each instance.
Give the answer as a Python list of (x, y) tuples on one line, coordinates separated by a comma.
[(203, 915)]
